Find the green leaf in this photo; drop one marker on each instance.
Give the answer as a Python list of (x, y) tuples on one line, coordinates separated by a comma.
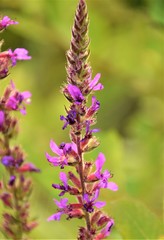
[(135, 221)]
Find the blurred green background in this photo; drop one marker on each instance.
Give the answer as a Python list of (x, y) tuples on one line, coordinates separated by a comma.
[(127, 48)]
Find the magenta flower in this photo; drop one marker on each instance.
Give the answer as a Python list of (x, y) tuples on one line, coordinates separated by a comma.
[(90, 203), (18, 54), (94, 85), (17, 100), (75, 93), (63, 152), (5, 22), (62, 205), (103, 177)]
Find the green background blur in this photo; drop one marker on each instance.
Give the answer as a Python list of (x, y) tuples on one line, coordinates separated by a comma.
[(127, 48)]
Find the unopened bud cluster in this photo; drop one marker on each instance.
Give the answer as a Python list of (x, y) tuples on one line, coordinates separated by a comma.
[(15, 185), (87, 177)]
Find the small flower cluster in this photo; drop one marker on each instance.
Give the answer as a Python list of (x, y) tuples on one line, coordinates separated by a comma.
[(15, 187), (87, 178)]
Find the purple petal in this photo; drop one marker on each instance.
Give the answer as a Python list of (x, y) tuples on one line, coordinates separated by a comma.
[(55, 216), (99, 162), (63, 178), (55, 148), (86, 197), (75, 93), (53, 160), (26, 95), (96, 195), (62, 203), (95, 80), (112, 186), (99, 204), (99, 86), (21, 54)]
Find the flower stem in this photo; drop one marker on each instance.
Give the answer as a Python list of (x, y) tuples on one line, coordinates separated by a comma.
[(80, 170)]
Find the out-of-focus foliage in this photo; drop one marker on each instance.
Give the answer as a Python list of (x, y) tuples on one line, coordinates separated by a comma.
[(127, 48)]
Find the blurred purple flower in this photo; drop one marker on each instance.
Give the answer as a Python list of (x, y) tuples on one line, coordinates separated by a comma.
[(8, 161), (12, 180), (18, 54), (5, 22), (90, 203), (17, 99)]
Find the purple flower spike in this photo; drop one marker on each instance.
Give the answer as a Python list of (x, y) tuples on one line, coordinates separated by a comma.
[(94, 85), (5, 22), (18, 54), (75, 93), (90, 203)]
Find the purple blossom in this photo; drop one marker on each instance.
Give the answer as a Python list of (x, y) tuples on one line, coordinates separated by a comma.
[(103, 177), (5, 22), (2, 118), (75, 93), (90, 203), (94, 85), (62, 205), (17, 100), (8, 161), (18, 54), (63, 153), (69, 119)]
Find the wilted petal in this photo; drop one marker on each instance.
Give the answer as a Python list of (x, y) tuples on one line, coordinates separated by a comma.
[(63, 178)]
